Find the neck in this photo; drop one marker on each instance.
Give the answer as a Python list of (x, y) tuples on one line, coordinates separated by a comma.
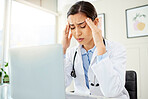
[(89, 45)]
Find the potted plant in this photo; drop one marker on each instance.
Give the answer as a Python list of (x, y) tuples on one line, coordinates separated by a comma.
[(0, 77), (6, 76)]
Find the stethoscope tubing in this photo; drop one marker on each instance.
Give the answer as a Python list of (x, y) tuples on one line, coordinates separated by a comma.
[(73, 73)]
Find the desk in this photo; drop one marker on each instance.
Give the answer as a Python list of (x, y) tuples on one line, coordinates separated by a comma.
[(75, 96), (4, 91), (5, 94)]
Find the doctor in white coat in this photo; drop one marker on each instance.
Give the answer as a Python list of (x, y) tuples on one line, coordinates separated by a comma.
[(97, 66)]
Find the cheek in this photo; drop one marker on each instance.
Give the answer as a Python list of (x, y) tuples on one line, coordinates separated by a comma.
[(88, 32), (73, 34)]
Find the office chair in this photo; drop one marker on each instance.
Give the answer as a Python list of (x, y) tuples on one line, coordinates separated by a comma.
[(131, 84)]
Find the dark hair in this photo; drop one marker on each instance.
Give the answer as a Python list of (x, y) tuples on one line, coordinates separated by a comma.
[(85, 7)]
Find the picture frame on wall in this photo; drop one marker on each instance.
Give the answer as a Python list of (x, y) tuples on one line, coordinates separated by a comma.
[(101, 24), (137, 21)]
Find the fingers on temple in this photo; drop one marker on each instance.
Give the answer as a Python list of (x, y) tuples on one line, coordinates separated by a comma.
[(91, 24), (70, 36), (66, 31)]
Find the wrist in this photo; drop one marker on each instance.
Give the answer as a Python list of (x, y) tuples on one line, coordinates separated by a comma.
[(101, 50), (64, 51)]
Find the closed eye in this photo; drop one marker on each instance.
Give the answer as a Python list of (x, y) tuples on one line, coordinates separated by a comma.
[(83, 26), (72, 28)]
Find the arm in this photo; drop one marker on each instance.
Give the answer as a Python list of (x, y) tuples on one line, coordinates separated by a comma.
[(110, 72), (67, 69), (67, 61)]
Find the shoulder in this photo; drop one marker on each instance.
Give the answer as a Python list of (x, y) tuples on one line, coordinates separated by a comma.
[(71, 51), (114, 45)]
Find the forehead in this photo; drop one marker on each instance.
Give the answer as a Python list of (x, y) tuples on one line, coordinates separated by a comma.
[(76, 18)]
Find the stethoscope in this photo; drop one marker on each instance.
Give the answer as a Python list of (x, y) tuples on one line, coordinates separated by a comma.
[(73, 73)]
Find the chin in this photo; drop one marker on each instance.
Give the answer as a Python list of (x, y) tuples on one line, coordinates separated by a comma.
[(82, 43)]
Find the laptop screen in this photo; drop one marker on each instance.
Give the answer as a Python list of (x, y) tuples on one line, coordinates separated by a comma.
[(37, 72)]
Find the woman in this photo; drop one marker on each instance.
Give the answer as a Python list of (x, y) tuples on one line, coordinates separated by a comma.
[(97, 66)]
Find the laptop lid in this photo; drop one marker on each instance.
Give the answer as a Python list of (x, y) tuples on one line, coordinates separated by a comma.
[(37, 72)]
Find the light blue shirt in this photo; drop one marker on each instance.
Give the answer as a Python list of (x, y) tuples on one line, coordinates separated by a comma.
[(86, 58)]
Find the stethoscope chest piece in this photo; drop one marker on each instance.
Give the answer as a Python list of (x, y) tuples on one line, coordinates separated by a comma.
[(73, 74), (94, 84)]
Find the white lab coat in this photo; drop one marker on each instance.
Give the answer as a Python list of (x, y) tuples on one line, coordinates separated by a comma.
[(109, 72)]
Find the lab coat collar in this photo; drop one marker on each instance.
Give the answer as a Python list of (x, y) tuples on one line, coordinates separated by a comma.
[(94, 53), (83, 51)]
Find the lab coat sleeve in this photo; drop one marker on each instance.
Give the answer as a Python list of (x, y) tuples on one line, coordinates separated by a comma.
[(67, 69), (100, 57), (110, 72)]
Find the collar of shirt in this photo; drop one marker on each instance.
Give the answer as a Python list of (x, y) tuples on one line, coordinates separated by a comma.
[(84, 52)]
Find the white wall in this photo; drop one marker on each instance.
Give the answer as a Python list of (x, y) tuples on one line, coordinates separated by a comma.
[(47, 4), (115, 24)]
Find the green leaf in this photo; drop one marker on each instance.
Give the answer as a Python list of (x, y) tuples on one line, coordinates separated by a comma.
[(134, 18), (0, 74), (6, 65), (2, 69), (144, 15), (6, 75)]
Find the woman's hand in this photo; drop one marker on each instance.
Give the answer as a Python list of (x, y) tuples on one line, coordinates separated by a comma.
[(97, 37), (66, 38)]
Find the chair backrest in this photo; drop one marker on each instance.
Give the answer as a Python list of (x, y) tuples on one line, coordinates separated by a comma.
[(131, 84)]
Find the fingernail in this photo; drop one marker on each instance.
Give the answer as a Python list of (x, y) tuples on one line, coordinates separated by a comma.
[(87, 19)]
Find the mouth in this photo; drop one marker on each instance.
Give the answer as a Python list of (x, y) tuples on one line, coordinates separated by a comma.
[(80, 39)]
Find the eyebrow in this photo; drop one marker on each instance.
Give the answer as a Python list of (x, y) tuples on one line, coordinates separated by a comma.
[(77, 24)]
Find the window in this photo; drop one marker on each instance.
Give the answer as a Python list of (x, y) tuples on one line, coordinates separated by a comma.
[(2, 3), (31, 26)]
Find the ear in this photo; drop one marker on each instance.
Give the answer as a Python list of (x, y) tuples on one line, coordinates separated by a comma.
[(96, 21)]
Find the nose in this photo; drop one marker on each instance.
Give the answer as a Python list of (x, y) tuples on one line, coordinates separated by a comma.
[(78, 32)]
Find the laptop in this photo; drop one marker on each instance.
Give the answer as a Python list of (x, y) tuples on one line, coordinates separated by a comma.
[(37, 72)]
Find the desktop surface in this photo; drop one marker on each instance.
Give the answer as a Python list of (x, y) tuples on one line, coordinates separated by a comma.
[(77, 96), (73, 96)]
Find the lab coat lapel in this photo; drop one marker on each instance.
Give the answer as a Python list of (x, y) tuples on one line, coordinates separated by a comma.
[(79, 66), (93, 56), (79, 62)]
